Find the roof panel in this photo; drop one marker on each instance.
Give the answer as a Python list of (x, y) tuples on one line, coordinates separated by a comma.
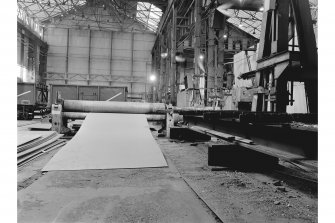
[(45, 10), (251, 21)]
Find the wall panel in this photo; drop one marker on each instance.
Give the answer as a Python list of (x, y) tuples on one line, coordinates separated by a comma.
[(100, 52), (56, 64)]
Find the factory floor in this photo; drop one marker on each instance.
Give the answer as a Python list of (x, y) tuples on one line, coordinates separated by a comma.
[(188, 190)]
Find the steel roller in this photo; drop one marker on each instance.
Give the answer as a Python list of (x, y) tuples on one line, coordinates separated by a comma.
[(113, 107)]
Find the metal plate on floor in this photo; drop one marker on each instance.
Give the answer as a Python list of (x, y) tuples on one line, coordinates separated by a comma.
[(40, 126), (110, 141), (24, 137)]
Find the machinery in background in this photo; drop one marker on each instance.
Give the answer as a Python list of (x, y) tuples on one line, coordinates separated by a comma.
[(31, 99), (277, 75), (287, 53)]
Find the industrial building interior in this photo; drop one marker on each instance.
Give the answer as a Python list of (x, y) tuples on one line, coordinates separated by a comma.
[(167, 111)]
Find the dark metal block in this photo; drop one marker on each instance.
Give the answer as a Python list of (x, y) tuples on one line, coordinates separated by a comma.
[(231, 155), (182, 133)]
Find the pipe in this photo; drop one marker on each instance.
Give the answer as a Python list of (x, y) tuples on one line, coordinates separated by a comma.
[(23, 93), (114, 96), (113, 107), (82, 115), (195, 109)]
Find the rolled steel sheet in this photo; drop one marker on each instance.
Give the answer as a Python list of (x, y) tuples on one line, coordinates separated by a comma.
[(113, 107)]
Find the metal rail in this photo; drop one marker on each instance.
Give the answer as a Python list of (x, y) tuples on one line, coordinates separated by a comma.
[(292, 142)]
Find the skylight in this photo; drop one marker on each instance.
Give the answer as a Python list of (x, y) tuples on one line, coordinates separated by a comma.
[(149, 15)]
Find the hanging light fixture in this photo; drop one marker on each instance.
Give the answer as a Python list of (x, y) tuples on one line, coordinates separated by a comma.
[(152, 78), (240, 25)]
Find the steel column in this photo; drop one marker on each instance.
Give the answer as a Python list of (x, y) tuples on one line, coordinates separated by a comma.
[(197, 34), (89, 58), (173, 55), (211, 63), (162, 68), (111, 59), (67, 57), (132, 62)]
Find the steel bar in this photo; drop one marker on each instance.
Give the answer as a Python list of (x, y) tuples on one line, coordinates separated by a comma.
[(40, 153), (113, 107), (41, 146)]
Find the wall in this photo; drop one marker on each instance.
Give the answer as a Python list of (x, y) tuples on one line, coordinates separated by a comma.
[(84, 50), (105, 58)]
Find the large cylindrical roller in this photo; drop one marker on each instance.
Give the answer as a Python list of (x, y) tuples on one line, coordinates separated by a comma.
[(113, 107), (82, 115)]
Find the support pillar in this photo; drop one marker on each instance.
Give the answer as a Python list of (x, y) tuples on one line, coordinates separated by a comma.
[(37, 64), (111, 59), (132, 62), (67, 57), (173, 55), (168, 67), (24, 68), (89, 58), (211, 63), (162, 69), (197, 34)]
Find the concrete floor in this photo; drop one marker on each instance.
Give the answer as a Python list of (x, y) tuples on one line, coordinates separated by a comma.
[(127, 195), (238, 196), (187, 191)]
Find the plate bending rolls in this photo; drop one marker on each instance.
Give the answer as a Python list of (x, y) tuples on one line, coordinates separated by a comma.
[(113, 107)]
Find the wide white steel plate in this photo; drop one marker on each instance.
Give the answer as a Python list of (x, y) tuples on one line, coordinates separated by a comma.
[(109, 141)]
